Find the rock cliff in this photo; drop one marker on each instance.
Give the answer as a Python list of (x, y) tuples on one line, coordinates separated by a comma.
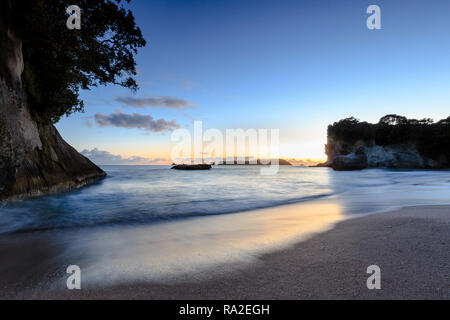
[(34, 159), (367, 154), (394, 142)]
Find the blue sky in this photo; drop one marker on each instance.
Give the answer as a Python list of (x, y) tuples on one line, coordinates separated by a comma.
[(293, 65)]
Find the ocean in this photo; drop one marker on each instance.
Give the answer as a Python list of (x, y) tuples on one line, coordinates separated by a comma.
[(149, 194), (150, 223)]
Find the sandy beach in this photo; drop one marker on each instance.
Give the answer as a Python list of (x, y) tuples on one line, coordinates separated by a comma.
[(309, 142), (410, 245)]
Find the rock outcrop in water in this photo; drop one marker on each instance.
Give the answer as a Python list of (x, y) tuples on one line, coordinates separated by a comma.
[(34, 159), (201, 166), (394, 142), (354, 161)]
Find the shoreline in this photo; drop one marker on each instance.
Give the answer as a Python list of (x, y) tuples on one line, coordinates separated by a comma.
[(332, 264), (410, 245)]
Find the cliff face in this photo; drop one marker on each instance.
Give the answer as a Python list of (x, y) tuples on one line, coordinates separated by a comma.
[(366, 154), (34, 159)]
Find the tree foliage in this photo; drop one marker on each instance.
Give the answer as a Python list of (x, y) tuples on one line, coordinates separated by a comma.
[(59, 62), (432, 139)]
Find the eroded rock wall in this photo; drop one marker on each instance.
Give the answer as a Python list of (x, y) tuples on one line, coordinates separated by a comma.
[(341, 153), (34, 159)]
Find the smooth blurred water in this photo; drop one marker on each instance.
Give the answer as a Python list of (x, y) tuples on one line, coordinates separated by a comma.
[(150, 223), (147, 194)]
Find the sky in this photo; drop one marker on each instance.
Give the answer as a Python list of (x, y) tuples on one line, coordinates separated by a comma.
[(296, 66)]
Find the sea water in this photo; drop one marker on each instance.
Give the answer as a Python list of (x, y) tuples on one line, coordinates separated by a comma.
[(150, 223), (148, 194)]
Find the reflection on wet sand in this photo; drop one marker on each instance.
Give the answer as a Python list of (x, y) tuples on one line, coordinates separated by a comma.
[(176, 251)]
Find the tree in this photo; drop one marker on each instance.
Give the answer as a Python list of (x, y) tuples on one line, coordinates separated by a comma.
[(351, 129), (445, 121), (58, 62), (431, 139), (393, 119)]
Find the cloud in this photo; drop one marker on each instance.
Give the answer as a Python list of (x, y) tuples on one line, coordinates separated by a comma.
[(187, 84), (105, 158), (305, 162), (155, 101), (135, 121), (183, 83), (187, 116)]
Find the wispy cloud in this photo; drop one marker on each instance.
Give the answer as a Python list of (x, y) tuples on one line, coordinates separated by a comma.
[(191, 118), (155, 101), (183, 83), (105, 157), (88, 123), (135, 121)]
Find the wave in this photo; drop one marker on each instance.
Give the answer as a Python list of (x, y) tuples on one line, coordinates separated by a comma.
[(128, 217), (152, 195)]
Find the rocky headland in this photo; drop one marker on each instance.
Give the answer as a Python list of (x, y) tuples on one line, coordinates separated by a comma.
[(394, 142), (34, 159)]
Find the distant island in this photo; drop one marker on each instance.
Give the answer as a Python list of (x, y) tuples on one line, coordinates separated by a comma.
[(393, 142), (250, 162)]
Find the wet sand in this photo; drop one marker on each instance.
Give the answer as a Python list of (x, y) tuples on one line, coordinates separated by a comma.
[(410, 245)]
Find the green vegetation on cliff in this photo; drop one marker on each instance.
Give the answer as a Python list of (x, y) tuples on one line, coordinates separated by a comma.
[(43, 65), (432, 139), (58, 62)]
